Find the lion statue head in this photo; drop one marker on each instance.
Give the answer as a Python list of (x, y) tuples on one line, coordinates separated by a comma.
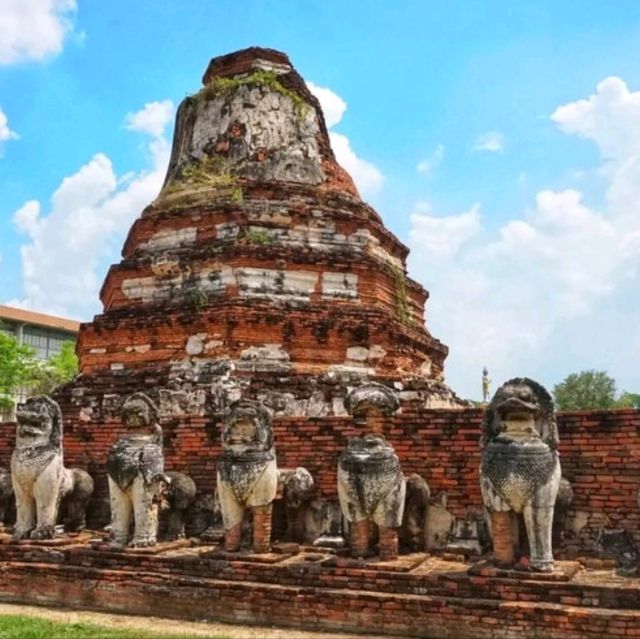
[(39, 423), (139, 411), (372, 397), (521, 408), (248, 425)]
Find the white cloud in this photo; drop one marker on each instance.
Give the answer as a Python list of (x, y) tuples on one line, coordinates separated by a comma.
[(610, 118), (554, 290), (367, 176), (33, 29), (152, 119), (442, 237), (427, 166), (333, 106), (493, 142), (5, 132), (63, 261)]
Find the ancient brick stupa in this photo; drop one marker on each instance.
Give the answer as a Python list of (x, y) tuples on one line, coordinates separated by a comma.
[(258, 271)]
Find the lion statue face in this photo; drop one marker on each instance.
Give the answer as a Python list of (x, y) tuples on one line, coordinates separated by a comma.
[(248, 426), (521, 409), (369, 448), (39, 423), (298, 487), (138, 412), (372, 399)]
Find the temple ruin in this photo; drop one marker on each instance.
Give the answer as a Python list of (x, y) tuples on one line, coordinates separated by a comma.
[(268, 434)]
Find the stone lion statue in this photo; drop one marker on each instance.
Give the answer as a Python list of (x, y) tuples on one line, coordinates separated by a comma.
[(371, 488), (177, 497), (136, 474), (298, 489), (520, 468), (38, 475), (247, 473)]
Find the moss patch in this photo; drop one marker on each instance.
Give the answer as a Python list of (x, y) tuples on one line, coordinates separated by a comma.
[(402, 303), (259, 237), (226, 87), (209, 172)]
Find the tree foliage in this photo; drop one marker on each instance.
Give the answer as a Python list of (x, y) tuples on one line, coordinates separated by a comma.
[(20, 370), (16, 368), (585, 390), (57, 370), (628, 400)]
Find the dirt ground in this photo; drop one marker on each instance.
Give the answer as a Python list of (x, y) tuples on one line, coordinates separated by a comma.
[(172, 626)]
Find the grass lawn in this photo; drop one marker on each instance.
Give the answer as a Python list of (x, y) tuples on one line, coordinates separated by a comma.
[(19, 627)]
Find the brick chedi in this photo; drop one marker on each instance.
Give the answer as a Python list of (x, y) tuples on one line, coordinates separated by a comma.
[(258, 269)]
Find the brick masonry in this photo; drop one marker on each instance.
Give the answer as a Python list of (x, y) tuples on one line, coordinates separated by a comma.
[(416, 596), (600, 456)]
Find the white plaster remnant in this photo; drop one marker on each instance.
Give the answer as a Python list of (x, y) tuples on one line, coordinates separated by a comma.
[(263, 212), (85, 414), (227, 230), (216, 280), (358, 353), (271, 122), (117, 366), (364, 354), (170, 238), (97, 351), (268, 357), (376, 352), (438, 525), (293, 285), (338, 406), (340, 285), (425, 368), (580, 520), (149, 289), (195, 344), (177, 403), (348, 370), (140, 348), (165, 268)]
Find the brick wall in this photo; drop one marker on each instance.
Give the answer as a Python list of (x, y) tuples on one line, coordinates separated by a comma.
[(600, 456)]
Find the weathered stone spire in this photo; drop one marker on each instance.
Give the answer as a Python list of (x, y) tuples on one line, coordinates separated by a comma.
[(254, 122), (259, 259)]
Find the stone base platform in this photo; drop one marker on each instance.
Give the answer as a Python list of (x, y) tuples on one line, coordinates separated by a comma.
[(418, 595)]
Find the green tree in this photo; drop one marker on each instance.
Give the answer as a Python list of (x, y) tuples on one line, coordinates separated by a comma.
[(628, 400), (585, 390), (57, 370), (16, 368)]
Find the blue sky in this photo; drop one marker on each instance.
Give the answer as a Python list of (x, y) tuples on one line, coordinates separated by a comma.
[(499, 140)]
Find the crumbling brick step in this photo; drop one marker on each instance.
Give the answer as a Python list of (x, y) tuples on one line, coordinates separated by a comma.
[(590, 589), (334, 609)]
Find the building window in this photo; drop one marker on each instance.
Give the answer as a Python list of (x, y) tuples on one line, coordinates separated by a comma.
[(38, 339)]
